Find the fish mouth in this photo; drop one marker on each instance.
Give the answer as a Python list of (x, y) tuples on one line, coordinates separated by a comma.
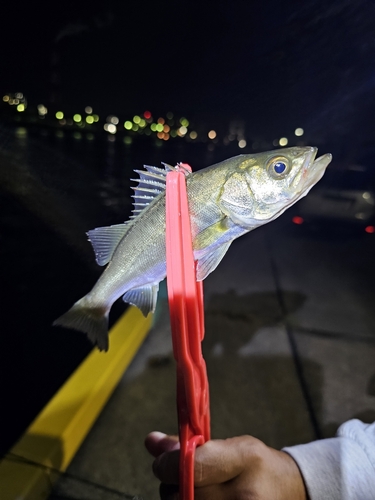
[(312, 170), (318, 166)]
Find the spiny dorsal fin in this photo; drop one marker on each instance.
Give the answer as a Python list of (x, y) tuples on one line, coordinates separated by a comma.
[(151, 183), (105, 240)]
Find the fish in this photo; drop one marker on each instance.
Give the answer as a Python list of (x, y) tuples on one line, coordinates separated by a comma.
[(225, 200)]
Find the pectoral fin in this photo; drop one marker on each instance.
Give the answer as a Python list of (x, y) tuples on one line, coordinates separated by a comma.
[(211, 234), (210, 261), (144, 297)]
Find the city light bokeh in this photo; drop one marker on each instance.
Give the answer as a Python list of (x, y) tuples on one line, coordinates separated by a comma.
[(144, 123)]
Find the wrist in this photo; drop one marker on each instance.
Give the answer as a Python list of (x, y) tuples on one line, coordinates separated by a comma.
[(292, 477), (272, 473)]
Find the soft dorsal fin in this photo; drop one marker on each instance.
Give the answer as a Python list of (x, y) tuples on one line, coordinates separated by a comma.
[(144, 297), (105, 240), (151, 183)]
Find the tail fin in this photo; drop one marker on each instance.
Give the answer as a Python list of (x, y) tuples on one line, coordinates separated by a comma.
[(91, 320)]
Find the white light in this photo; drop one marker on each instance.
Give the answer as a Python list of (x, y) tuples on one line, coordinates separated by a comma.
[(88, 110), (283, 141), (42, 110), (242, 143), (299, 131), (114, 120), (211, 134), (366, 195), (182, 130), (112, 129)]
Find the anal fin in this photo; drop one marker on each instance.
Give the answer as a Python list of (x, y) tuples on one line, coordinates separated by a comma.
[(144, 297)]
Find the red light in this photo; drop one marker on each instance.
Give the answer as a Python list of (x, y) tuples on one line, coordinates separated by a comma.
[(297, 220), (370, 229), (147, 115)]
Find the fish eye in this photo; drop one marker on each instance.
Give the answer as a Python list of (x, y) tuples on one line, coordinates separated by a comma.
[(278, 167)]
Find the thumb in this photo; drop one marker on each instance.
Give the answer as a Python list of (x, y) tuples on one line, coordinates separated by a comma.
[(220, 460), (215, 462)]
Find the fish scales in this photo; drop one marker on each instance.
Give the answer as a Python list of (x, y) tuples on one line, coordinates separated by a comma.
[(143, 245), (226, 200)]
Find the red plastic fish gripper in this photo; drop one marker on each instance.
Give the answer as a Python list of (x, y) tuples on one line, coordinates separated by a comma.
[(185, 296)]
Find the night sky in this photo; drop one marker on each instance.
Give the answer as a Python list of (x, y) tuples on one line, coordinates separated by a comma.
[(276, 64)]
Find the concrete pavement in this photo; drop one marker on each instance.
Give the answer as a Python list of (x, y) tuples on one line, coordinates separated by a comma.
[(289, 346)]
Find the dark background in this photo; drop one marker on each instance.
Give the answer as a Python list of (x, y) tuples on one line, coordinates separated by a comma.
[(277, 64), (272, 65)]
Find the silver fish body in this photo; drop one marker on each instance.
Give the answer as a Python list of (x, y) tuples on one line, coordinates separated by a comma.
[(226, 200)]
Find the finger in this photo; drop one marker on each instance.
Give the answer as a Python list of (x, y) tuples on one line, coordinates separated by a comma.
[(219, 461), (166, 467), (158, 443)]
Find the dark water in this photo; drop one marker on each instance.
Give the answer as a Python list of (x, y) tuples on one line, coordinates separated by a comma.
[(52, 190)]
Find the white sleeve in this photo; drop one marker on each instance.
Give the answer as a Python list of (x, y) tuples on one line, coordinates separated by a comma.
[(341, 468)]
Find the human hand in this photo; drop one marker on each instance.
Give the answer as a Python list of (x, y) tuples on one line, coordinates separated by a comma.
[(237, 468)]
